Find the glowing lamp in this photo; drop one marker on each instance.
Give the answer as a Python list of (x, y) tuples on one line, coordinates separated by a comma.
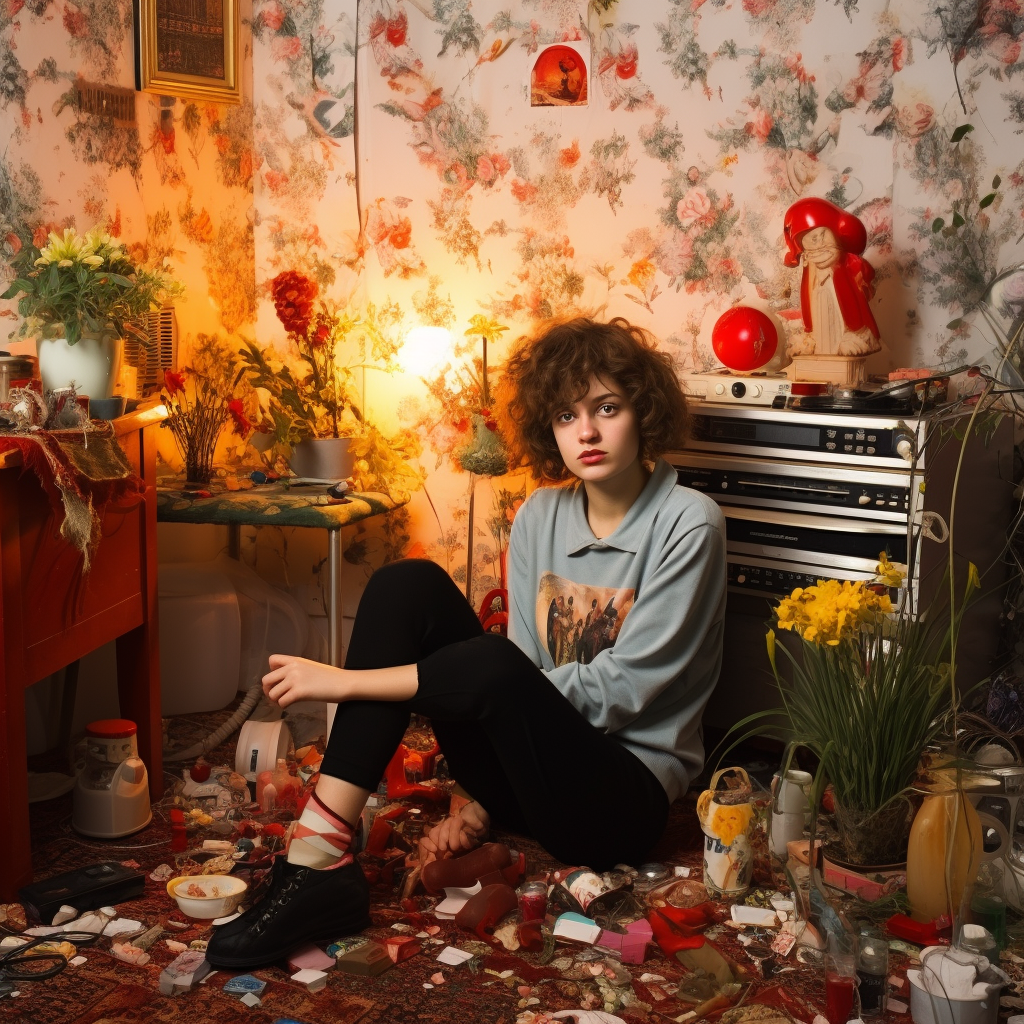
[(744, 338), (424, 349)]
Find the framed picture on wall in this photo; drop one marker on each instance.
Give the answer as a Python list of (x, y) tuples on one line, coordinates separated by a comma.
[(188, 48)]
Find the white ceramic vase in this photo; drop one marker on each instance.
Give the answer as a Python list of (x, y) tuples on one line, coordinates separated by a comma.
[(92, 364), (322, 458)]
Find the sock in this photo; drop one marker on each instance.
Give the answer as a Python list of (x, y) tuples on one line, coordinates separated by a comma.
[(320, 839)]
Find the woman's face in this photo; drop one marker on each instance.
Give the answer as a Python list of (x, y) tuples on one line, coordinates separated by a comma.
[(599, 436)]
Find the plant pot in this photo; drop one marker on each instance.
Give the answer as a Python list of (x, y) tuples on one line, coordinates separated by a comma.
[(322, 458), (92, 365), (875, 837)]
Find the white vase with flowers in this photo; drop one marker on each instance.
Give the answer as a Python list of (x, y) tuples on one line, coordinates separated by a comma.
[(79, 296)]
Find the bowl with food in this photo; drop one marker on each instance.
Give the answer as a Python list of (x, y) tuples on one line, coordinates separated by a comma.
[(207, 896)]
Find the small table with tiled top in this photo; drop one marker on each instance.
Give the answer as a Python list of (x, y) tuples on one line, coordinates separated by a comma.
[(278, 504)]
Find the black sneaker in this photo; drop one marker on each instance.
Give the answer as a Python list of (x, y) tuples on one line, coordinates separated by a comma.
[(302, 905)]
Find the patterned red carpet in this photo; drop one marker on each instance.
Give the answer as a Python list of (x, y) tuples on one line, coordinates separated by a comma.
[(495, 988)]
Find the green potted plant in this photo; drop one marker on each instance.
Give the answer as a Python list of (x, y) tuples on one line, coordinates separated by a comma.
[(313, 408), (867, 691), (309, 406), (79, 296)]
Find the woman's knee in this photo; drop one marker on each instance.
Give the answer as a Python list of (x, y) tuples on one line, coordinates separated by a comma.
[(496, 669), (408, 572)]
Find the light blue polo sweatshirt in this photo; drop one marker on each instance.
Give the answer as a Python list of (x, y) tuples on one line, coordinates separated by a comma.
[(628, 627)]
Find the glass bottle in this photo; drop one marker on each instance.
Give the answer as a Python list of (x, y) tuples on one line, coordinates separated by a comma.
[(872, 975)]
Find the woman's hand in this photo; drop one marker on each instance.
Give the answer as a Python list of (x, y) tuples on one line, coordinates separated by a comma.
[(458, 833), (292, 678)]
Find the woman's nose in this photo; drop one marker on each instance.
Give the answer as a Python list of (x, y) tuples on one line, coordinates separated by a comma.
[(587, 428)]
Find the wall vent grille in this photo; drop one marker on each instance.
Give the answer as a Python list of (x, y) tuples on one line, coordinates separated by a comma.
[(162, 328), (106, 101)]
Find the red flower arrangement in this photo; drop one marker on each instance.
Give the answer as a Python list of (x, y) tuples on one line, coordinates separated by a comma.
[(294, 295), (315, 398)]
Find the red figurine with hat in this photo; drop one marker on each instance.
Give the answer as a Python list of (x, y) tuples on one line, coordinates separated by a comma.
[(836, 283)]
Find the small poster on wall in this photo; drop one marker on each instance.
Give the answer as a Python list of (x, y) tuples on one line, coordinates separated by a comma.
[(559, 77)]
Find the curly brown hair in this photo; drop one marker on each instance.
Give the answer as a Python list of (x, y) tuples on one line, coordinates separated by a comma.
[(552, 372)]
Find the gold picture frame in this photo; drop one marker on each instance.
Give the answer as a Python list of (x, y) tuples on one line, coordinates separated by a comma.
[(188, 48)]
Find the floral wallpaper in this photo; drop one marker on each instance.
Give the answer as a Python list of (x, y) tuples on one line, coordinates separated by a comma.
[(388, 149)]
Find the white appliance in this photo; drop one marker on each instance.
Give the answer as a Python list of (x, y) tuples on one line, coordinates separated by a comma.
[(111, 797), (260, 744)]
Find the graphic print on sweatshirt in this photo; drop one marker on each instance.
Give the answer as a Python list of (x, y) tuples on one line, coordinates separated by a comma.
[(575, 621)]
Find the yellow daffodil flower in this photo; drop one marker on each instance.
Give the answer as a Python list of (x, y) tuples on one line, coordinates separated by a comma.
[(887, 573)]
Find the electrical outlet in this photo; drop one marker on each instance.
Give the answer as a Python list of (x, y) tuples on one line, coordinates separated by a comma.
[(309, 598)]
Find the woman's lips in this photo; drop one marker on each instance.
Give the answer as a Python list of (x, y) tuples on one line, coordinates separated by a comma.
[(592, 457)]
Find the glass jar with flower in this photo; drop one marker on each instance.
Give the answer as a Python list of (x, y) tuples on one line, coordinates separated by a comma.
[(866, 691), (79, 296), (200, 399)]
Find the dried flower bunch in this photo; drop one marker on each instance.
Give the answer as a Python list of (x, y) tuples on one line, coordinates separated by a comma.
[(87, 283), (199, 402), (317, 398)]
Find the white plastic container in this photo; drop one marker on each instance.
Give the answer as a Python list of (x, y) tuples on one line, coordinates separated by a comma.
[(788, 822), (200, 638), (219, 623), (111, 797), (926, 1008), (260, 746)]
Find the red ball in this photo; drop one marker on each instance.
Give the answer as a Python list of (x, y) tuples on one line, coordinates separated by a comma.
[(200, 771), (744, 338)]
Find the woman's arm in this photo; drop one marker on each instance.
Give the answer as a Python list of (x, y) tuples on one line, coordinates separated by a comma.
[(521, 602), (291, 679)]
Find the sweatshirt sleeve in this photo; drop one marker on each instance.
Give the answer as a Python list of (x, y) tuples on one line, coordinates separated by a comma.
[(520, 630), (661, 638)]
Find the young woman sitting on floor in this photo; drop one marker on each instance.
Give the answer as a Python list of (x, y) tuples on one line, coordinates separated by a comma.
[(583, 726)]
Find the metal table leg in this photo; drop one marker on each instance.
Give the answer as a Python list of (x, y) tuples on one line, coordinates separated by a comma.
[(235, 541), (334, 610)]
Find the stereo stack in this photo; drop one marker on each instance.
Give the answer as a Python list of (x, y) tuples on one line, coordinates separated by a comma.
[(812, 494)]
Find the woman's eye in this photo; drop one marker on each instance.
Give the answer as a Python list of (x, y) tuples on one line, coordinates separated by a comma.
[(564, 417), (608, 409)]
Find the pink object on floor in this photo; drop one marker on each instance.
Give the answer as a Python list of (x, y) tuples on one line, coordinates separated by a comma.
[(312, 958), (632, 945)]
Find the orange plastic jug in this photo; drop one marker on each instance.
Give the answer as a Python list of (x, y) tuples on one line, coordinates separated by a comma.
[(943, 855)]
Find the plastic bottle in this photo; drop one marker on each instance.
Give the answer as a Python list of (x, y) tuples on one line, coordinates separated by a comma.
[(268, 799), (286, 784), (977, 939), (943, 855), (791, 800)]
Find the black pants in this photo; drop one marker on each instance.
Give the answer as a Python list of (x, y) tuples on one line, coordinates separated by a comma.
[(510, 738)]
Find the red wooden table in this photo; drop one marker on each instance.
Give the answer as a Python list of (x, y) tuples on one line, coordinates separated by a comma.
[(51, 615)]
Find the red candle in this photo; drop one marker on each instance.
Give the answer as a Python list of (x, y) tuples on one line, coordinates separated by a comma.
[(839, 990)]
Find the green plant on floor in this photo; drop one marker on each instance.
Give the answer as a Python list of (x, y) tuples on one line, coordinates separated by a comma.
[(866, 691)]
